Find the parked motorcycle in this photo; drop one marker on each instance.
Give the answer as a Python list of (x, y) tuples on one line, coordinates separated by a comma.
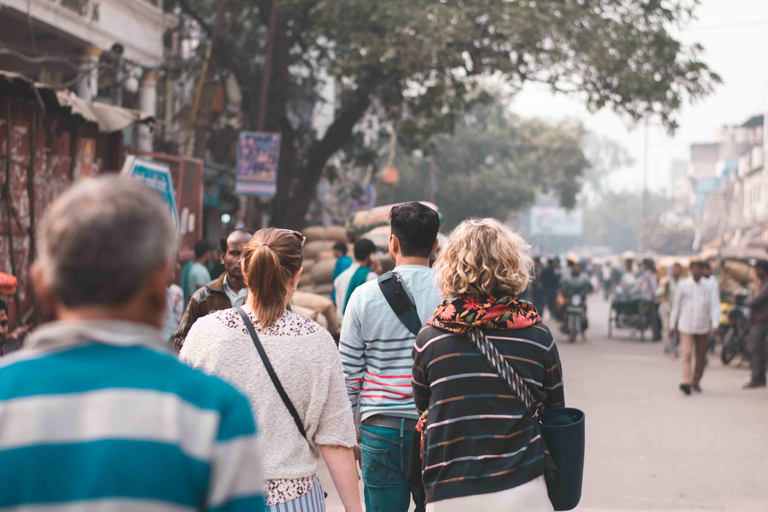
[(736, 331)]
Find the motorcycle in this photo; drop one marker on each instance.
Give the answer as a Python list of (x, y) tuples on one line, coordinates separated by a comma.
[(575, 313), (736, 331)]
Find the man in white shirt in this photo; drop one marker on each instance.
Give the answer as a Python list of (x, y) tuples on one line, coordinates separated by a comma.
[(357, 274), (695, 314)]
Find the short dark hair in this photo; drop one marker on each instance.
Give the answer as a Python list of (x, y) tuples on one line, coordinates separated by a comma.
[(4, 305), (763, 264), (415, 226), (223, 241), (341, 247), (364, 248), (201, 247)]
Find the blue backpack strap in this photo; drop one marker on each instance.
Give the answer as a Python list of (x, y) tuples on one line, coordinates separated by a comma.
[(394, 291)]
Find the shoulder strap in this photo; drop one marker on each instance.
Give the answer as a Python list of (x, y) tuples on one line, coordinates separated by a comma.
[(505, 371), (395, 292), (271, 372)]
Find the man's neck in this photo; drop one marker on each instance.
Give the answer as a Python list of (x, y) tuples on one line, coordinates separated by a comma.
[(235, 284), (402, 261), (201, 261), (102, 313)]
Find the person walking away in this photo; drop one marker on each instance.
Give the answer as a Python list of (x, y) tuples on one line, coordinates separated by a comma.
[(198, 275), (305, 361), (538, 294), (482, 451), (227, 291), (376, 354), (174, 310), (758, 326), (343, 262), (645, 290), (550, 279), (666, 293), (695, 314), (706, 271), (607, 277), (112, 420), (356, 275)]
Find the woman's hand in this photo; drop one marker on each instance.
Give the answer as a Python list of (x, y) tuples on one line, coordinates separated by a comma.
[(341, 464)]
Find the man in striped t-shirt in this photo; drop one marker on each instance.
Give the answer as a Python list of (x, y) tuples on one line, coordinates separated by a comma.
[(376, 353), (95, 413)]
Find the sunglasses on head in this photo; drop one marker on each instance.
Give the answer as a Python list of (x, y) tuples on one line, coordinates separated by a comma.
[(297, 234)]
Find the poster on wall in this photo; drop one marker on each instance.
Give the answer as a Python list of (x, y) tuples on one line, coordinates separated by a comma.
[(86, 158), (156, 176), (258, 156)]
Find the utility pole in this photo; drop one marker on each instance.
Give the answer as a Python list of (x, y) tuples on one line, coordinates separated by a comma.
[(205, 88), (645, 174), (252, 207)]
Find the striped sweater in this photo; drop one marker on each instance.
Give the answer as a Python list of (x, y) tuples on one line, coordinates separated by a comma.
[(99, 416), (479, 439), (376, 347)]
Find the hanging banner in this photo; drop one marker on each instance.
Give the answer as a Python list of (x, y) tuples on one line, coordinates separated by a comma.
[(156, 176), (258, 155)]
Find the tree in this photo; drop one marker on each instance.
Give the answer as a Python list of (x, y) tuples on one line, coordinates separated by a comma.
[(494, 164), (416, 66), (615, 222)]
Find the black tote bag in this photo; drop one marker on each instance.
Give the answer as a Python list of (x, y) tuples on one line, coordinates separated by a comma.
[(561, 427)]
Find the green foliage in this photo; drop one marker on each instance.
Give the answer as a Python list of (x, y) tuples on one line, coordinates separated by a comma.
[(496, 163), (418, 65)]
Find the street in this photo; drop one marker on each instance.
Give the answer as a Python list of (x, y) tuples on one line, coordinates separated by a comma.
[(649, 447)]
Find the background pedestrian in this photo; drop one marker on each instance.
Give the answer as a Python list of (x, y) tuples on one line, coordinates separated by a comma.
[(483, 451), (696, 315), (304, 358), (758, 326), (111, 420)]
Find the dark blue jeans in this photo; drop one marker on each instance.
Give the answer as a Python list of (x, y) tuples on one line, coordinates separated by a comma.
[(385, 470)]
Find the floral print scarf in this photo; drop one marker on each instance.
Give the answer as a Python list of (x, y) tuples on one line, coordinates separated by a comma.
[(464, 313)]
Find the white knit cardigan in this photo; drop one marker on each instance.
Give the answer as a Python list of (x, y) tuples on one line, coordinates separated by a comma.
[(307, 363)]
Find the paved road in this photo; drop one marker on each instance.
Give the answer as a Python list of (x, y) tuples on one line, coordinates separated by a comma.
[(649, 447)]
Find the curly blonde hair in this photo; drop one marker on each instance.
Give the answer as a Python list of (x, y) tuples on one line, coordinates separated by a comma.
[(483, 257)]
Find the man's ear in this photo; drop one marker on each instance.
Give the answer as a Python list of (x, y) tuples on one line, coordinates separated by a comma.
[(434, 246), (394, 246), (43, 290)]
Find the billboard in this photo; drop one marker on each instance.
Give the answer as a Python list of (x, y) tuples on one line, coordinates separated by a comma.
[(156, 176), (555, 221), (258, 156)]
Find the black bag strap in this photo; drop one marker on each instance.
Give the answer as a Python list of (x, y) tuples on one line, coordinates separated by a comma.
[(505, 371), (396, 293), (271, 372)]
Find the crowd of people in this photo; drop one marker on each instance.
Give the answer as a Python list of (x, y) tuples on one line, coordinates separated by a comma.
[(99, 412)]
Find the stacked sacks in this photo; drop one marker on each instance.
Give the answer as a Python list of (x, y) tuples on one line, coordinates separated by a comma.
[(318, 308), (312, 299), (360, 223)]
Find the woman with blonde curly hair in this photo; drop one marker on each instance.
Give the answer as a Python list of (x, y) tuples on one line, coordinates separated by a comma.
[(481, 448)]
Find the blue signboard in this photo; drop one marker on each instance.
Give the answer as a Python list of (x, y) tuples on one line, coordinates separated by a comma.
[(258, 156), (156, 176)]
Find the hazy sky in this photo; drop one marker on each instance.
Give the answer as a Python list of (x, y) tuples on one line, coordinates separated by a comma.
[(734, 34)]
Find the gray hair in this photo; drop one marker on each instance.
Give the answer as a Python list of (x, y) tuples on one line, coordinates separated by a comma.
[(102, 239)]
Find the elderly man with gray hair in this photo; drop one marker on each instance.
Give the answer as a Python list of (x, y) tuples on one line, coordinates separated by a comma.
[(95, 412)]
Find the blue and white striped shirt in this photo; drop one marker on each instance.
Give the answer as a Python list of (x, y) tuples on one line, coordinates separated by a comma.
[(99, 416)]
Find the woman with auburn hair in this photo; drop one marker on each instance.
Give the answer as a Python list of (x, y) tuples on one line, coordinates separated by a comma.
[(481, 449), (314, 417)]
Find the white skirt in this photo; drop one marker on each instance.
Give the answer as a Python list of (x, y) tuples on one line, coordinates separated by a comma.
[(529, 497)]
